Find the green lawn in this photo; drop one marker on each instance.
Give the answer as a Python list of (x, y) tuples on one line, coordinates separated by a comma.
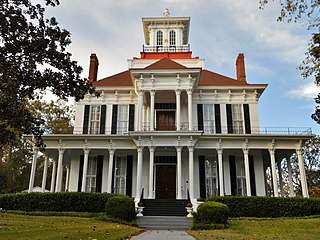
[(279, 228), (14, 226)]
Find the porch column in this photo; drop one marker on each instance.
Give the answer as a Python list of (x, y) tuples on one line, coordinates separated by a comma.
[(179, 173), (140, 108), (67, 179), (45, 171), (280, 179), (109, 182), (53, 175), (33, 168), (152, 95), (150, 193), (302, 174), (221, 177), (85, 169), (291, 192), (191, 149), (139, 172), (59, 171), (178, 112), (247, 171), (189, 92), (273, 172)]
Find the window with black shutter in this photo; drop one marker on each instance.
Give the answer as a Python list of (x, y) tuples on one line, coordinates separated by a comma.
[(200, 117), (247, 118), (229, 118), (217, 116), (86, 119)]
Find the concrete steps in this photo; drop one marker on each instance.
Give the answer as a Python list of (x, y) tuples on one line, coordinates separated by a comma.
[(164, 207), (164, 223)]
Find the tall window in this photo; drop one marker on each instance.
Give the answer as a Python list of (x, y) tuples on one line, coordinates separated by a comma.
[(208, 118), (95, 119), (123, 119), (159, 41), (172, 40), (91, 175), (241, 178), (211, 177), (120, 175), (237, 118)]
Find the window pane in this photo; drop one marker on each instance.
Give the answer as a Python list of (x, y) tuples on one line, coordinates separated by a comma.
[(211, 177), (172, 41), (91, 174), (120, 175), (208, 118), (123, 119)]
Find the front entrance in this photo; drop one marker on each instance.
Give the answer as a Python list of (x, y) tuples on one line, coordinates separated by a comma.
[(166, 181), (165, 120)]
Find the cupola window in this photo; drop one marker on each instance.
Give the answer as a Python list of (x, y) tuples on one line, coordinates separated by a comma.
[(159, 40)]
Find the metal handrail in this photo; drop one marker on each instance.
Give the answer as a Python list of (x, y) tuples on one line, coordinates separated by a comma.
[(183, 48)]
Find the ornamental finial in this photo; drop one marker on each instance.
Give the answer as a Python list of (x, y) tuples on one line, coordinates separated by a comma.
[(166, 12)]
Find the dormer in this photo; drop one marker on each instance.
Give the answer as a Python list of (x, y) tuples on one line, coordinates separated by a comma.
[(166, 33)]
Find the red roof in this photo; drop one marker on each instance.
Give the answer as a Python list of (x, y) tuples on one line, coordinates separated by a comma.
[(122, 79), (165, 63), (208, 78)]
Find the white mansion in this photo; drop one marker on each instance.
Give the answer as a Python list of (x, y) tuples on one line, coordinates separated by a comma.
[(167, 127)]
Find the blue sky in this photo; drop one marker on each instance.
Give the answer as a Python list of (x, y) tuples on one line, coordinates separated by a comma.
[(219, 30)]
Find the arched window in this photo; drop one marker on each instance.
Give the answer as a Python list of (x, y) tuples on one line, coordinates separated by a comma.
[(159, 39), (172, 37)]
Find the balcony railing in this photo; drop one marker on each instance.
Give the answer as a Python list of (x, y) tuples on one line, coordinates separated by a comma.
[(184, 126), (185, 48)]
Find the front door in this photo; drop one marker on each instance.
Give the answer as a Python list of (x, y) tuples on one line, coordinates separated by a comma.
[(166, 181), (165, 120)]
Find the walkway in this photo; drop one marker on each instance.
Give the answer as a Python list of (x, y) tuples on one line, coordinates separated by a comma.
[(163, 235)]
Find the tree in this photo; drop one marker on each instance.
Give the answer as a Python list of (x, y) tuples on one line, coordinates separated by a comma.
[(307, 10), (33, 57)]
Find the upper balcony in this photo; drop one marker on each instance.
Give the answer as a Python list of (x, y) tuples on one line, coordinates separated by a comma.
[(149, 49)]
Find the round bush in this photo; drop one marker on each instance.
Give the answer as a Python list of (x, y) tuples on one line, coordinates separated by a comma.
[(211, 212), (121, 207)]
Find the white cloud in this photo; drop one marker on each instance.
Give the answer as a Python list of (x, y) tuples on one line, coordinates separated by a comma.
[(307, 91)]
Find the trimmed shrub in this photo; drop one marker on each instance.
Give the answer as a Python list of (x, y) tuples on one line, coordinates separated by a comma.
[(269, 206), (121, 207), (211, 212), (58, 202)]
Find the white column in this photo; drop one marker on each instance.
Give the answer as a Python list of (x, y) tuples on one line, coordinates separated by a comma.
[(85, 169), (303, 178), (151, 162), (60, 170), (152, 95), (67, 179), (33, 168), (109, 183), (191, 183), (189, 92), (247, 170), (139, 172), (45, 171), (280, 179), (140, 108), (53, 175), (178, 107), (179, 173), (221, 177), (273, 172), (291, 192)]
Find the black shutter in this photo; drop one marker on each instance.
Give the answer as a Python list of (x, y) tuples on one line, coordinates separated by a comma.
[(131, 117), (229, 118), (103, 119), (99, 173), (200, 117), (247, 118), (252, 176), (86, 119), (129, 175), (114, 119), (202, 176), (113, 173), (217, 117), (80, 173), (233, 175)]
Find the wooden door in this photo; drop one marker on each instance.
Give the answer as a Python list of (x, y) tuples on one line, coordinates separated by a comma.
[(166, 181), (165, 120)]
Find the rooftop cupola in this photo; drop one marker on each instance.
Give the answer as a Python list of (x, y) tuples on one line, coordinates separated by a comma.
[(166, 33)]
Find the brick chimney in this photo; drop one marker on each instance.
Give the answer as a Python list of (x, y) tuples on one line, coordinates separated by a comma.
[(241, 71), (93, 69)]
